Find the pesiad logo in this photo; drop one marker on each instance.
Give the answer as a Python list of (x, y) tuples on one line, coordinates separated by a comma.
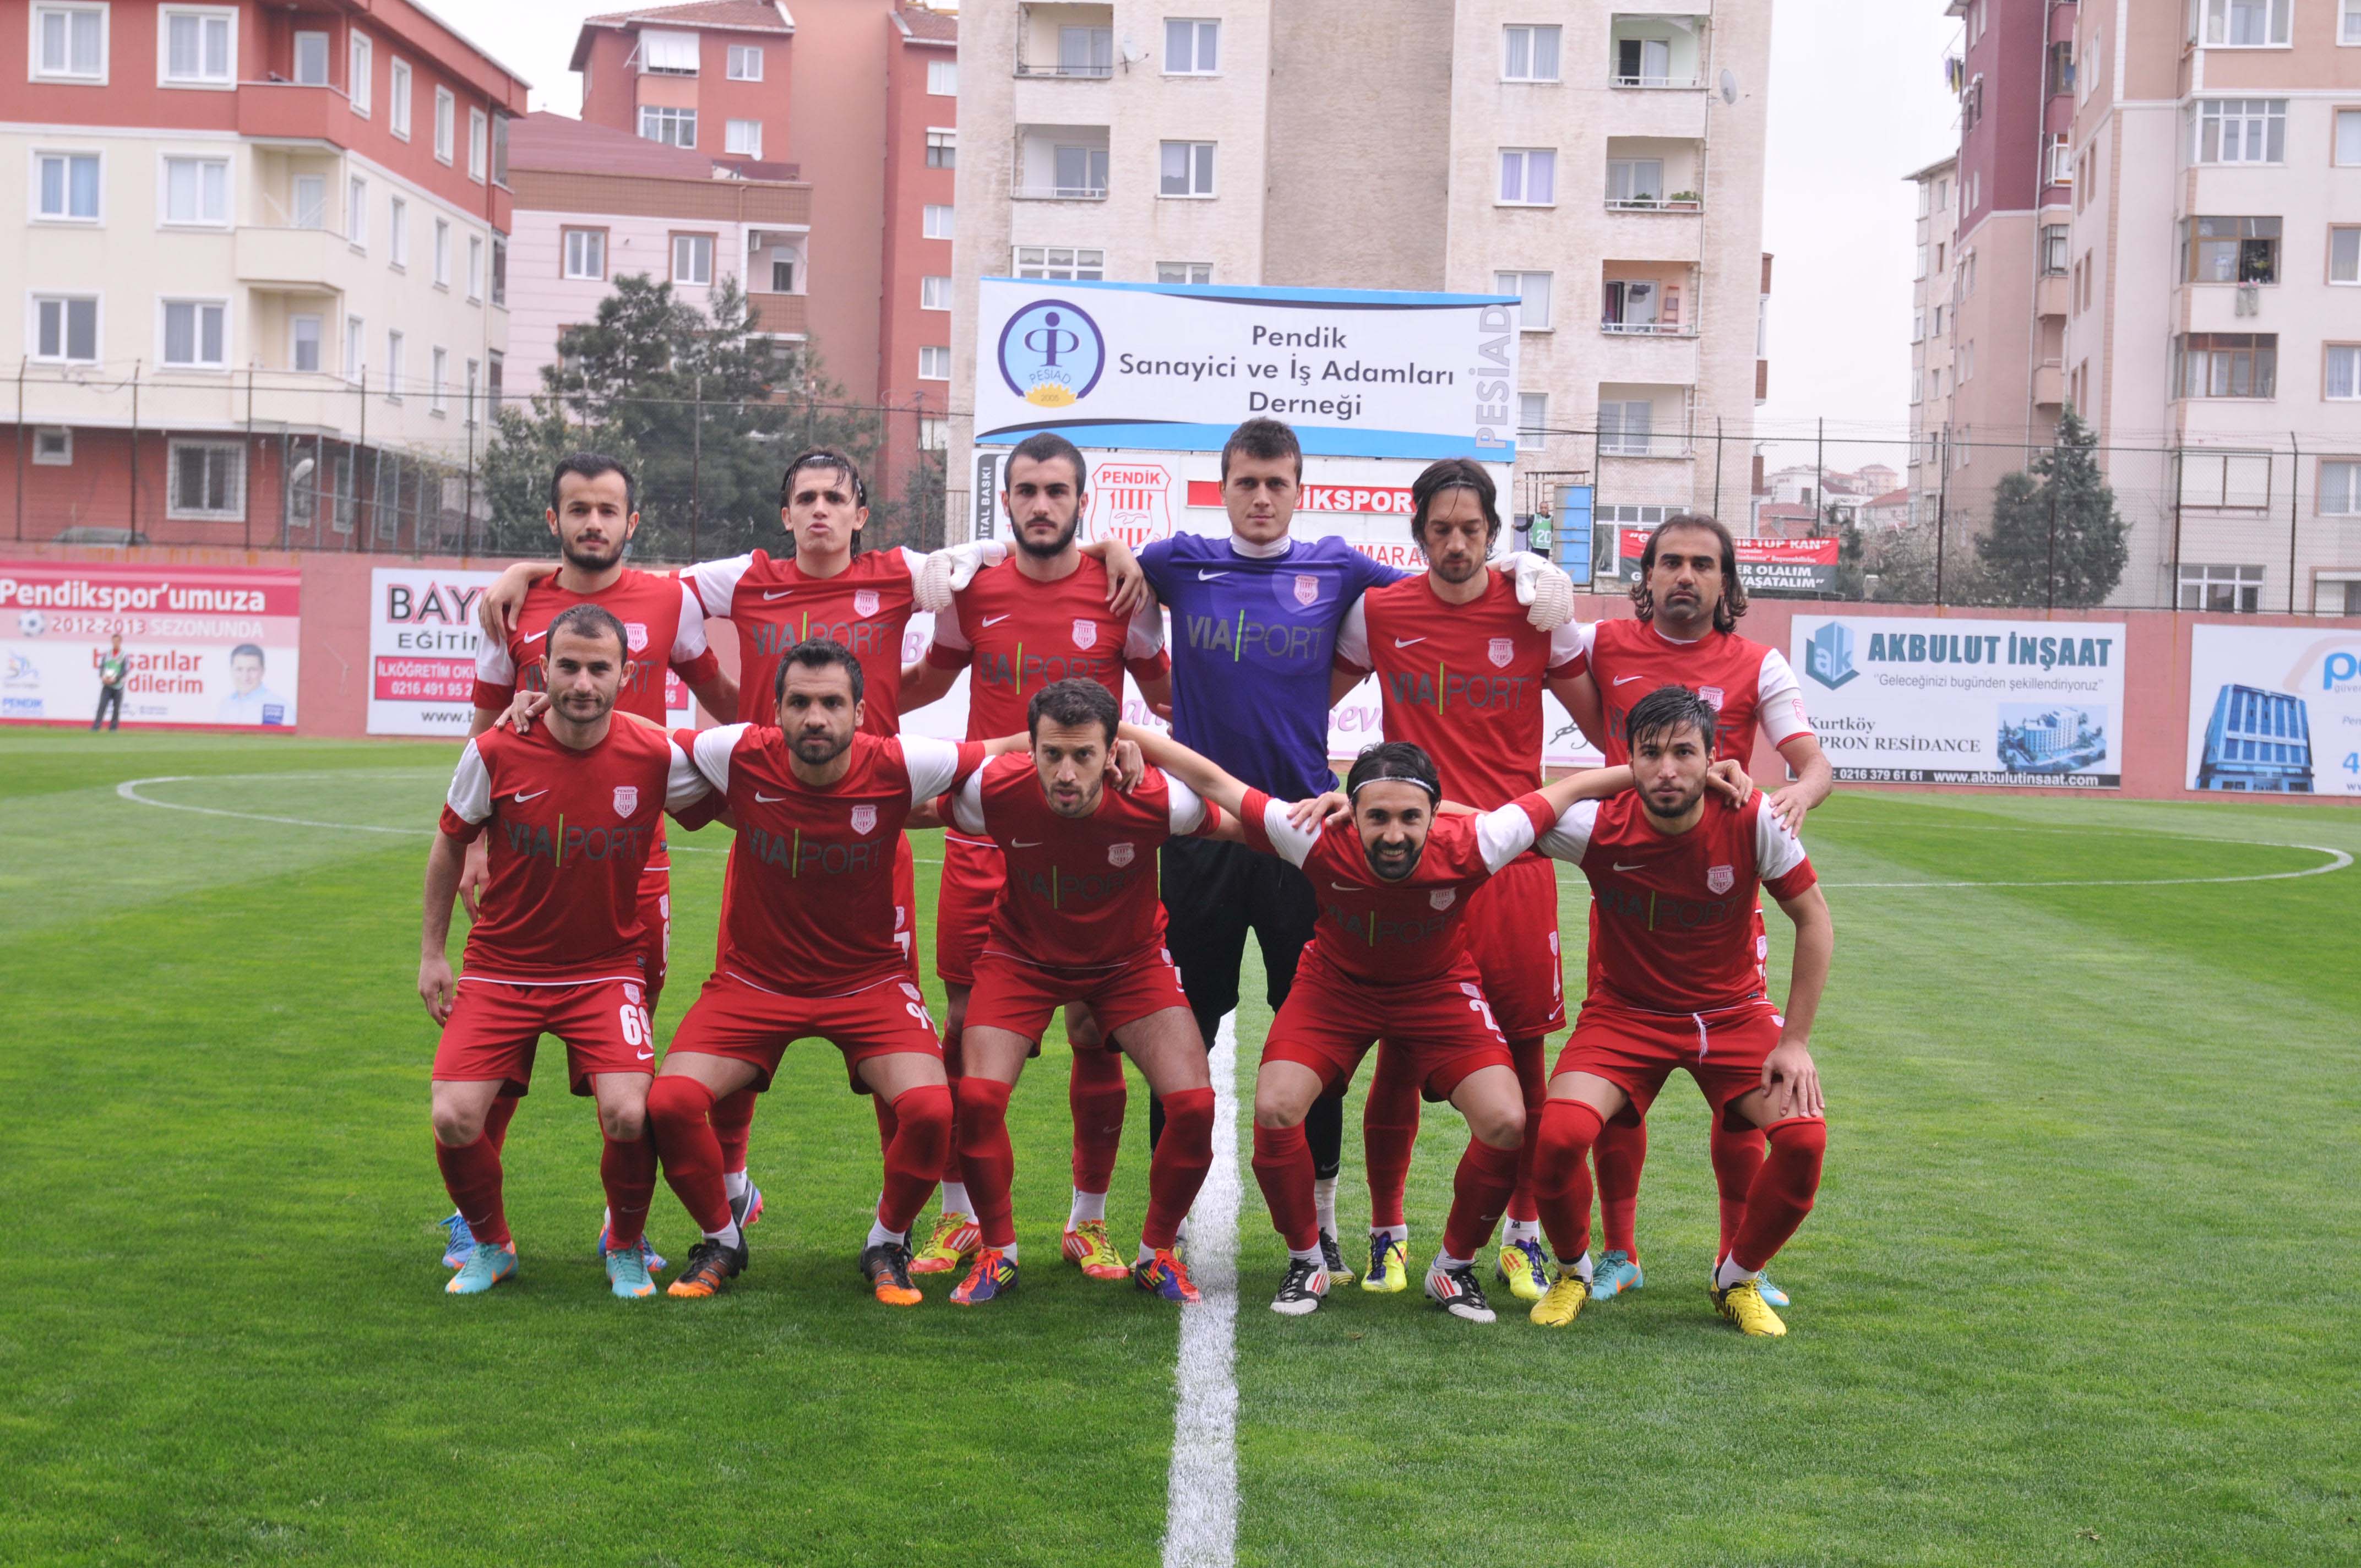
[(627, 799), (1052, 353), (865, 820), (1828, 658)]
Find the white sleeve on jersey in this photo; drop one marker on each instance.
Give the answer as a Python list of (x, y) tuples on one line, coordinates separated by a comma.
[(1144, 638), (493, 665), (1503, 835), (715, 581), (1188, 807), (470, 799), (1570, 838), (1781, 699), (713, 752), (1587, 632), (683, 785), (1567, 643), (967, 806), (689, 642), (912, 562), (1352, 637), (1777, 851), (1293, 843), (947, 630), (931, 763)]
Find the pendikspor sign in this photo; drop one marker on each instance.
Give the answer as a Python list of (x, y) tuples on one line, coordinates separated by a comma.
[(208, 646), (1922, 700), (1802, 566), (1169, 367), (2275, 709)]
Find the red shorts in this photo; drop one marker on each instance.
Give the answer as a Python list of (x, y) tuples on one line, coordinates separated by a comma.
[(734, 1017), (495, 1026), (1511, 929), (1723, 1050), (972, 873), (1019, 997), (1446, 1026), (655, 928), (905, 905)]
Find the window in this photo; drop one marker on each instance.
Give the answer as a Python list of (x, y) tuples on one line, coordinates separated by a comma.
[(783, 275), (2053, 249), (1623, 428), (439, 367), (310, 194), (474, 375), (1642, 306), (446, 111), (356, 212), (1184, 271), (397, 237), (65, 328), (68, 186), (1644, 62), (310, 59), (1079, 172), (745, 63), (2241, 130), (194, 333), (1529, 176), (2061, 66), (477, 149), (1060, 263), (397, 108), (1533, 289), (392, 365), (2340, 487), (2348, 137), (442, 253), (355, 330), (664, 53), (2232, 590), (1971, 104), (692, 259), (2344, 382), (2234, 250), (207, 480), (2061, 161), (942, 77), (2246, 24), (743, 137), (1919, 326), (2348, 24), (2345, 256), (500, 269), (1529, 54), (1967, 366), (1185, 169), (357, 72), (501, 150), (1639, 183), (198, 45), (303, 343), (53, 448), (475, 267), (934, 435), (586, 252), (942, 150), (196, 190), (934, 364), (2227, 365), (939, 222), (1920, 271), (934, 293), (70, 43), (1938, 321), (1193, 46), (1085, 52), (1532, 418)]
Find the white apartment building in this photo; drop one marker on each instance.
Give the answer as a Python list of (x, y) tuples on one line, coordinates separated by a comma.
[(1604, 164), (1931, 335)]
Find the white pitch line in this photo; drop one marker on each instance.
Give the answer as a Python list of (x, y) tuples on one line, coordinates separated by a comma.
[(2337, 861), (1201, 1527)]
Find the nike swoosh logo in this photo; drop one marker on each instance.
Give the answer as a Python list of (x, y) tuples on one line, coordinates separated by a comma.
[(768, 799), (1021, 844), (1209, 576), (1641, 867), (996, 619), (647, 1055), (521, 797), (1620, 679), (1406, 641), (1342, 887), (770, 594), (534, 638)]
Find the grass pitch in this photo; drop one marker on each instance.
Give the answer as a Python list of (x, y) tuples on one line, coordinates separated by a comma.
[(2078, 1289)]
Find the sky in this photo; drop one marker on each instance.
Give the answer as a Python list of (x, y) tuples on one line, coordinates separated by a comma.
[(1857, 101)]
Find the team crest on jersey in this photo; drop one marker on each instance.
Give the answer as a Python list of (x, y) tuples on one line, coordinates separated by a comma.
[(1307, 588), (1718, 879), (627, 799), (1443, 897), (865, 820), (1712, 695), (636, 634), (864, 603), (1086, 633), (1500, 650), (911, 992), (1119, 854), (630, 993)]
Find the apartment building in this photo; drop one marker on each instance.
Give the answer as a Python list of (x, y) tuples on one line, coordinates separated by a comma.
[(1603, 164), (2213, 275), (921, 153), (1933, 317), (262, 266)]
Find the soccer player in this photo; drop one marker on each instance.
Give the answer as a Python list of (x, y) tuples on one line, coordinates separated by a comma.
[(1037, 617), (1676, 980), (1255, 617), (593, 511), (557, 947), (1077, 921), (808, 947), (1685, 606), (1462, 671)]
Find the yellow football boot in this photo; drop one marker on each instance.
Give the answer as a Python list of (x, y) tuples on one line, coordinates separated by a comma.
[(1743, 1305)]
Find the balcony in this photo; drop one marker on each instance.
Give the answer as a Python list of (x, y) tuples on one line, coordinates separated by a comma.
[(1654, 175), (1060, 163), (778, 316), (1658, 51), (1641, 420), (281, 111), (1069, 42), (289, 259), (1648, 300), (2051, 294), (2049, 383)]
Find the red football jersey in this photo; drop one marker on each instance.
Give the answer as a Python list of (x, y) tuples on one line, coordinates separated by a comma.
[(776, 604), (1014, 636), (1392, 933), (1745, 681), (807, 904), (570, 832), (1673, 925), (663, 623), (1462, 680), (1081, 892)]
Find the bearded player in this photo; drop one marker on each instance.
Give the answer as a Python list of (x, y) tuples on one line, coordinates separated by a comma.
[(1676, 980), (1041, 617), (593, 512), (571, 813), (1686, 605)]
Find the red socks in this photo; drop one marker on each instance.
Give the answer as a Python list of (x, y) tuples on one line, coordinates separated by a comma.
[(496, 1120), (1782, 1190), (1561, 1175), (954, 1171), (679, 1111), (1177, 1168), (1532, 1077), (1282, 1164), (1095, 1094), (920, 1130), (472, 1176), (1618, 1152), (990, 1163), (733, 1125), (628, 1171), (886, 1121), (1479, 1191), (1737, 1159), (1388, 1134)]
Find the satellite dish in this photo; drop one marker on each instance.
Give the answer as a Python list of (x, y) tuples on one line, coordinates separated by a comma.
[(1132, 53), (1730, 87)]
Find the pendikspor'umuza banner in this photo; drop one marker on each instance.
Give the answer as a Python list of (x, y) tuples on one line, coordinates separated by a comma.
[(1802, 566), (1175, 367), (210, 646), (2275, 709), (1970, 702)]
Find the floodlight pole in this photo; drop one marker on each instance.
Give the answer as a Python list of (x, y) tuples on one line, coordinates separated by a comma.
[(2295, 501)]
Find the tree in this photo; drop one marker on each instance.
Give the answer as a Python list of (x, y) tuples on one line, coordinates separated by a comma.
[(2056, 537)]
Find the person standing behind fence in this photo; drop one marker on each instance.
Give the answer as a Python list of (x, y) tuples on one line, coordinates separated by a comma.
[(112, 671)]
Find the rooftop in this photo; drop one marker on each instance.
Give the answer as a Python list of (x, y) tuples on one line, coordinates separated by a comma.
[(742, 15), (558, 144), (918, 22)]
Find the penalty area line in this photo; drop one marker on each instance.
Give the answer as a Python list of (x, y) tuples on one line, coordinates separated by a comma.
[(1202, 1497)]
